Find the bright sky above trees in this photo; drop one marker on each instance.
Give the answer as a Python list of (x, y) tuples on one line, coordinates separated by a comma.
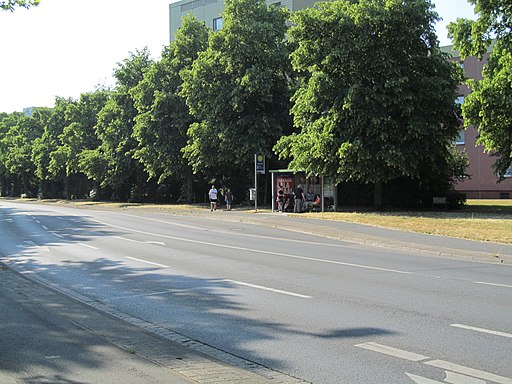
[(66, 47)]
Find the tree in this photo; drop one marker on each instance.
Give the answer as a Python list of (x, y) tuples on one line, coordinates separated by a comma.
[(163, 119), (17, 151), (6, 122), (112, 163), (239, 89), (77, 137), (376, 99), (11, 4), (489, 106)]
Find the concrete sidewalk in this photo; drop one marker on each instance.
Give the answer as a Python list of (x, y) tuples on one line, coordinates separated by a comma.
[(47, 336)]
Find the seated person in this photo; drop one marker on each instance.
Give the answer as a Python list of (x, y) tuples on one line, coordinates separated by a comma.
[(317, 202), (310, 198), (288, 205)]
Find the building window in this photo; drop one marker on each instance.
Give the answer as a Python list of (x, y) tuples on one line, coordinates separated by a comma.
[(461, 137), (507, 174), (217, 24)]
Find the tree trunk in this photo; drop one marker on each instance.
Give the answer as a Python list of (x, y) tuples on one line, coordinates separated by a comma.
[(190, 185), (377, 195), (67, 187)]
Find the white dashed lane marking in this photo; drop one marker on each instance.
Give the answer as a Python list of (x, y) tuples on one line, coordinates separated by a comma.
[(482, 330)]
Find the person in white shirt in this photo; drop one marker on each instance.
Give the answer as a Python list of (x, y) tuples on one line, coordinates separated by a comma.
[(213, 198)]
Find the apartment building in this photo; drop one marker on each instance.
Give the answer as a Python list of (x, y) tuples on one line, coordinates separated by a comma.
[(483, 182), (210, 11)]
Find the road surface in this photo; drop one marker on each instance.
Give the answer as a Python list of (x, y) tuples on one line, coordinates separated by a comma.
[(322, 310)]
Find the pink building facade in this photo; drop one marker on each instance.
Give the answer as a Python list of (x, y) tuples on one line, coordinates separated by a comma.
[(483, 182)]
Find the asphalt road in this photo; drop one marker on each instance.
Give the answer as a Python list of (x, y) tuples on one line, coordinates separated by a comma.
[(323, 310)]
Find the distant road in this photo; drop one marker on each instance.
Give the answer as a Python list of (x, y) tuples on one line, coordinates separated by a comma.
[(322, 310)]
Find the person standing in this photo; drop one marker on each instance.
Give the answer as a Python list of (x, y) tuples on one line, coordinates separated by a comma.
[(299, 198), (229, 199), (280, 199), (212, 195)]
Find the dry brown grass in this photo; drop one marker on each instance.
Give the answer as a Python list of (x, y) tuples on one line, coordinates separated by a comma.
[(483, 220)]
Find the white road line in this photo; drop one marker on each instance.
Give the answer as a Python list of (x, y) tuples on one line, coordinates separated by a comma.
[(44, 227), (148, 262), (411, 356), (422, 380), (56, 234), (469, 371), (140, 242), (482, 330), (493, 284), (457, 378), (257, 250), (87, 246), (230, 232), (268, 289)]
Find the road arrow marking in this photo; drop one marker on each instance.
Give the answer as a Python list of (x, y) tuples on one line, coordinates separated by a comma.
[(469, 371), (455, 378), (422, 380)]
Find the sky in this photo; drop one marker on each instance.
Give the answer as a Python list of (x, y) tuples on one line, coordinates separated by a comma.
[(68, 47)]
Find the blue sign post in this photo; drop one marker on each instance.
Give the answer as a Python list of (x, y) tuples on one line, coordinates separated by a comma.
[(259, 169), (260, 164)]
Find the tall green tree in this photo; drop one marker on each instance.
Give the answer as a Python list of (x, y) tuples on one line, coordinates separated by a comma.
[(163, 119), (6, 122), (77, 137), (17, 158), (54, 121), (376, 100), (239, 89), (112, 163), (489, 106)]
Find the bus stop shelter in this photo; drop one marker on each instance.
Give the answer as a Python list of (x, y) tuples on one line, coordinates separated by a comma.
[(289, 179)]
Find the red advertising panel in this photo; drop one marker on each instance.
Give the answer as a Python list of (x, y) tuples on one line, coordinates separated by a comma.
[(287, 183)]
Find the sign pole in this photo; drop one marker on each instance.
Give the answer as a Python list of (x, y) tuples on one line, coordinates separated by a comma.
[(259, 169), (256, 182)]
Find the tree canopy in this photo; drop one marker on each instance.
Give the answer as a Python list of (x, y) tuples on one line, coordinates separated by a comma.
[(357, 90), (376, 98), (163, 117), (238, 88), (489, 106), (10, 5)]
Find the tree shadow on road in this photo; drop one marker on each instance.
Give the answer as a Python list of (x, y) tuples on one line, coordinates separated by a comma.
[(210, 310)]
